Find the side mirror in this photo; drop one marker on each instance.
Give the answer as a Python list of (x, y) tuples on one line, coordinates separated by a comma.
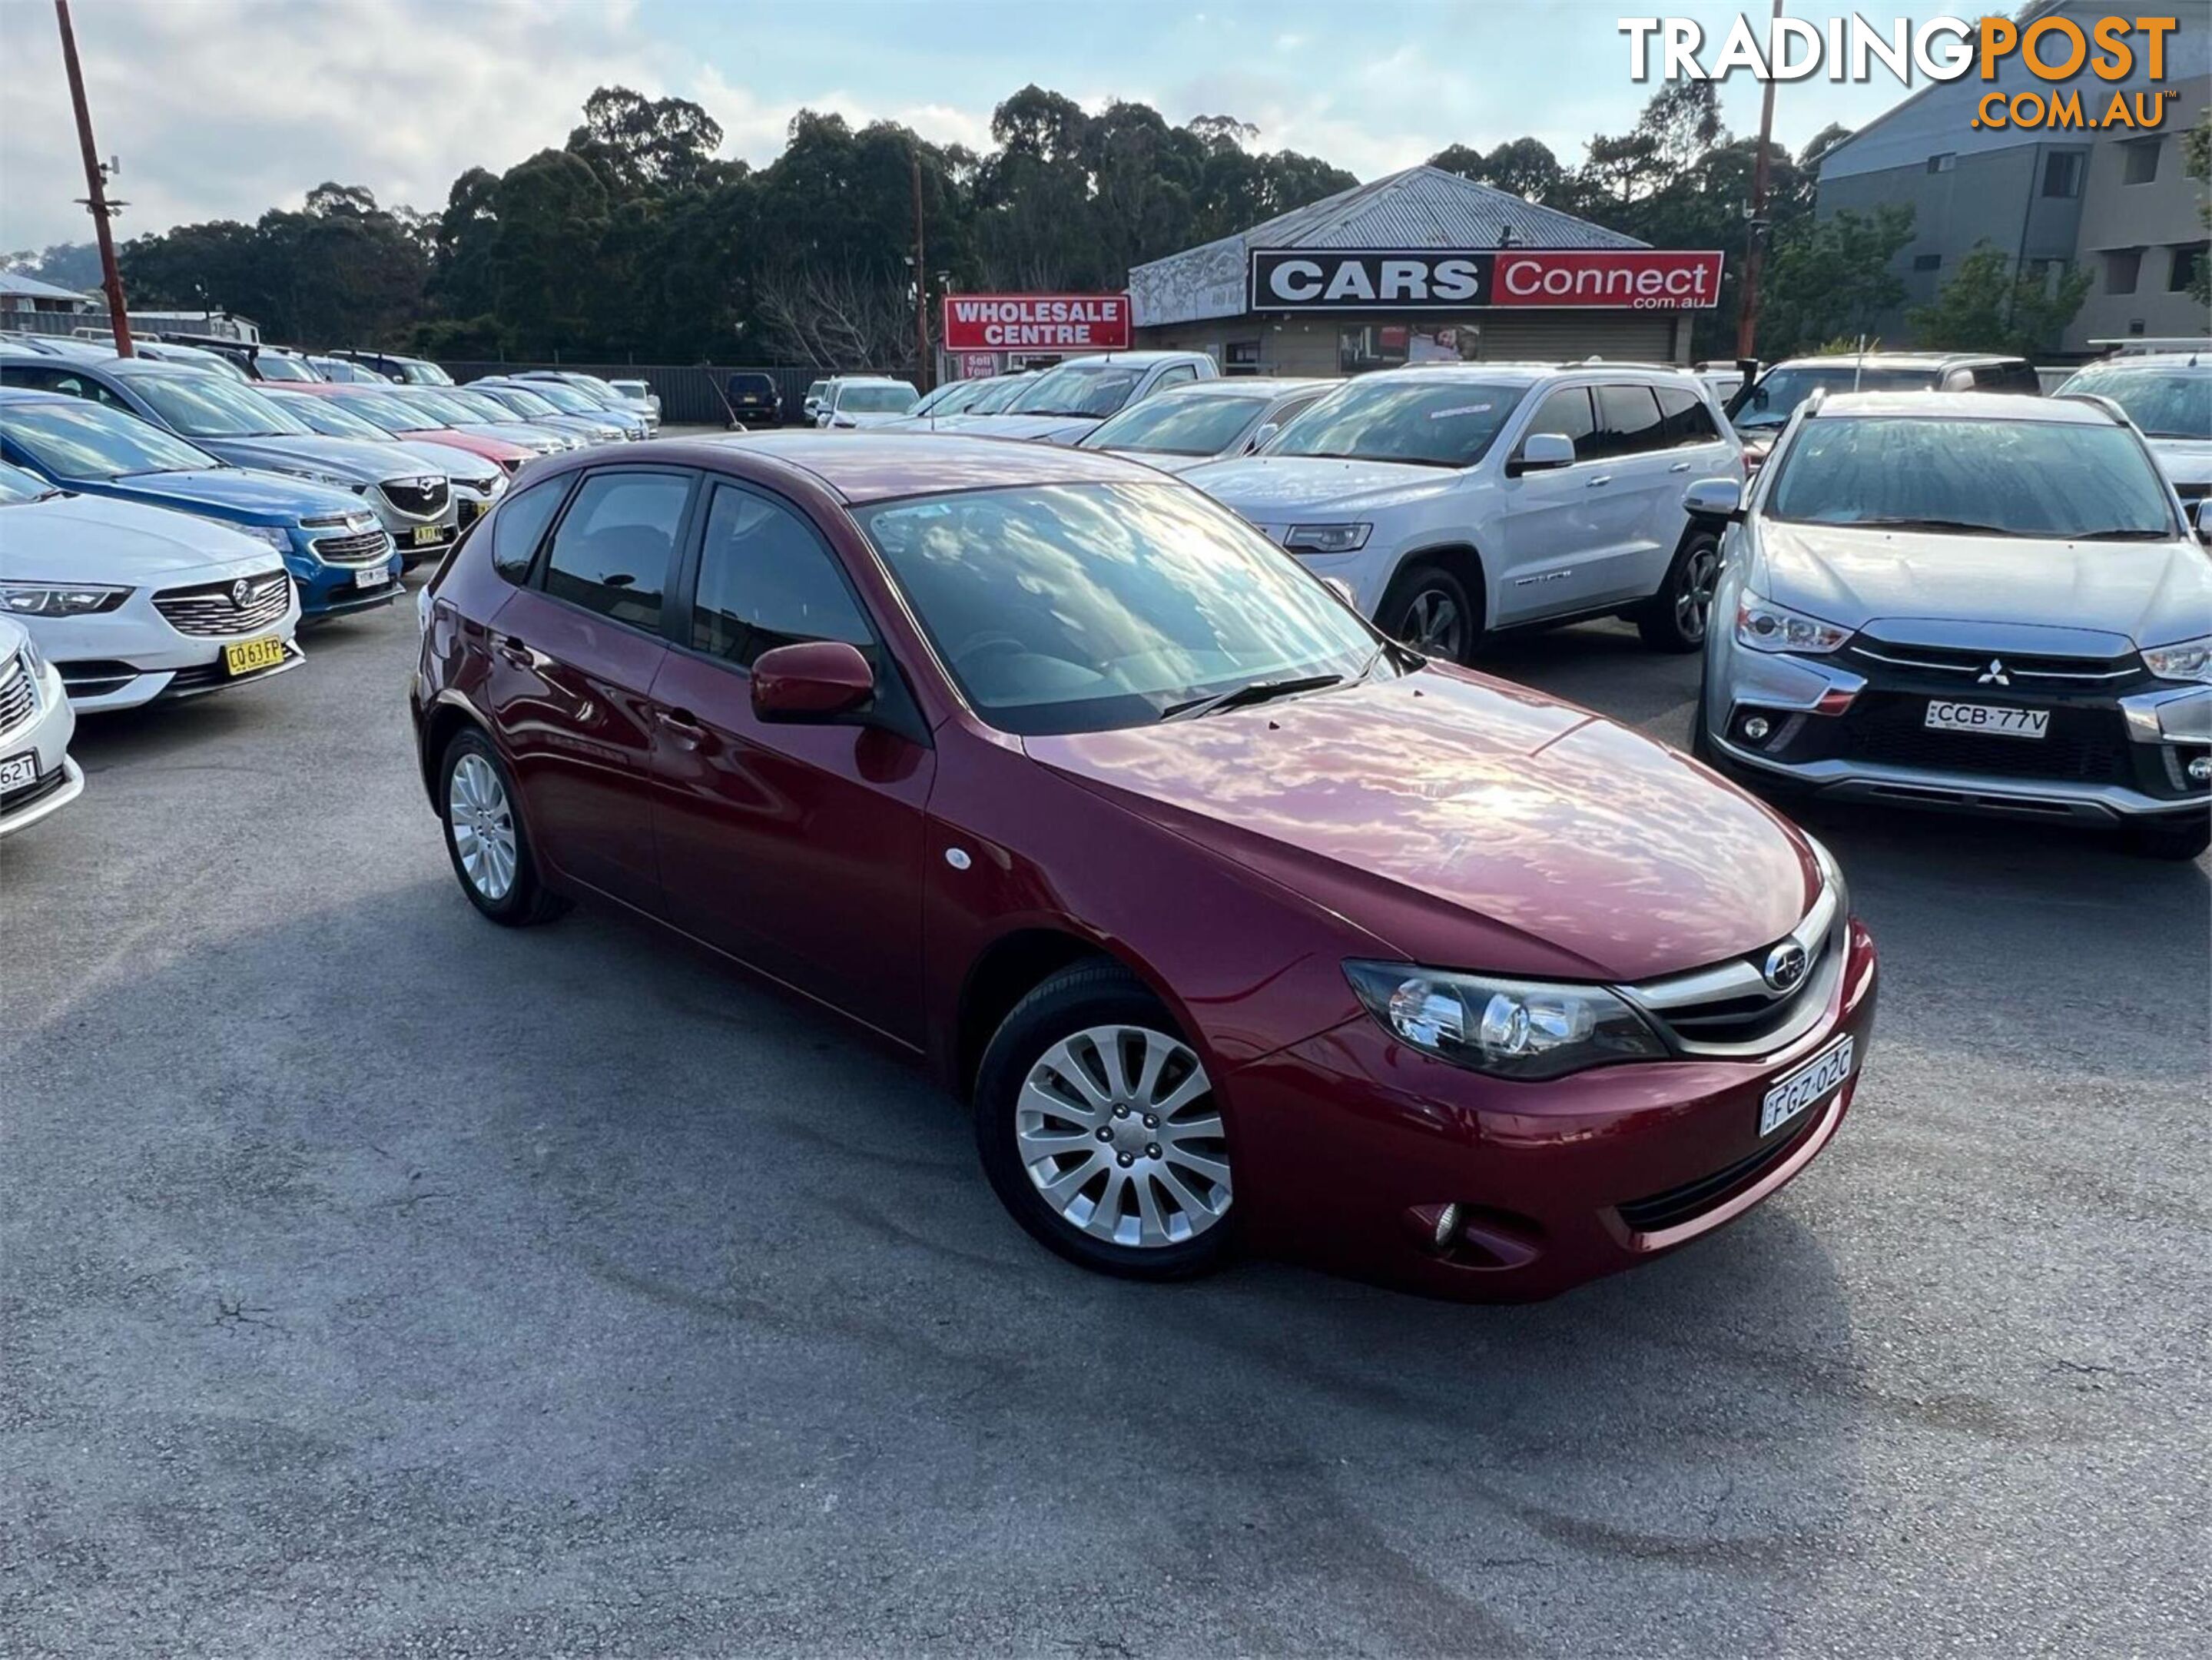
[(1542, 452), (1715, 498), (2200, 514), (1260, 437), (1342, 590), (819, 680)]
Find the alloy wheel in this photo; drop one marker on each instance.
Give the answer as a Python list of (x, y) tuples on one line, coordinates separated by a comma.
[(1118, 1130), (482, 825), (1693, 601), (1435, 626)]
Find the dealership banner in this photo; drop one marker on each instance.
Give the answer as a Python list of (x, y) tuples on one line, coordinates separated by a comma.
[(1431, 279), (1049, 322)]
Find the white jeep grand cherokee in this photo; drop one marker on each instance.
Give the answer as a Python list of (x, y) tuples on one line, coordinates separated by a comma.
[(1456, 499)]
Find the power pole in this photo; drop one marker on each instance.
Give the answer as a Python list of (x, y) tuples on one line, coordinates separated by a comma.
[(1756, 226), (921, 278), (95, 182)]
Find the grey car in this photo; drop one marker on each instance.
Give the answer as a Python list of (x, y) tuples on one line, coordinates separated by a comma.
[(1969, 602)]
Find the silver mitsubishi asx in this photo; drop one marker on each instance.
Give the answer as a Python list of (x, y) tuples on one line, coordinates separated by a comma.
[(1966, 602)]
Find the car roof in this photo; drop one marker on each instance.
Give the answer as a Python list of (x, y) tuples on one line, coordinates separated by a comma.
[(872, 381), (1140, 359), (2151, 360), (863, 466), (1258, 387), (1966, 406), (1897, 360)]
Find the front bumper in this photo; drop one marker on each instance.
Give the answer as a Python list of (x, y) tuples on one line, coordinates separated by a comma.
[(135, 655), (1349, 1145), (1849, 728), (44, 735), (328, 590)]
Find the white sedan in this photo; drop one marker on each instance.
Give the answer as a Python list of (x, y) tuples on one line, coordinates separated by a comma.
[(131, 603), (36, 776)]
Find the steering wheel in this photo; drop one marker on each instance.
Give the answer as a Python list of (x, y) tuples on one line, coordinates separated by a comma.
[(985, 640)]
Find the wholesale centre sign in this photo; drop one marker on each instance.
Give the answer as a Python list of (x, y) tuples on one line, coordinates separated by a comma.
[(1036, 322), (1429, 279)]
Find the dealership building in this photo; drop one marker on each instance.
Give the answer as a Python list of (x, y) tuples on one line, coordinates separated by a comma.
[(1421, 266)]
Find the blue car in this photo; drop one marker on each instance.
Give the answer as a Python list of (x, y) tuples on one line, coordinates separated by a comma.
[(338, 554)]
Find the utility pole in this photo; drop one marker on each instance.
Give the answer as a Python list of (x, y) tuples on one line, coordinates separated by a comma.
[(921, 278), (95, 182), (1756, 225)]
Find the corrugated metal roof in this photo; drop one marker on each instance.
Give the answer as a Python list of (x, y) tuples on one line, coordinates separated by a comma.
[(15, 283), (1421, 207)]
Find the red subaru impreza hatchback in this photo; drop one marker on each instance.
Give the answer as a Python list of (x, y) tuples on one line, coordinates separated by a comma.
[(1235, 921)]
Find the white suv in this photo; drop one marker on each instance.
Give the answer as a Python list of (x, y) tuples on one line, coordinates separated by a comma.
[(2168, 395), (1456, 499)]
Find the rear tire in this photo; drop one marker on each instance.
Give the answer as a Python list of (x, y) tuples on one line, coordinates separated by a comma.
[(1100, 1131), (2175, 841), (484, 836), (1429, 608), (1677, 616)]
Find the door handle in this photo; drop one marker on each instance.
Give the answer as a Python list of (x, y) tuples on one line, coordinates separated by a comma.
[(1600, 482), (680, 723), (512, 647), (1680, 466)]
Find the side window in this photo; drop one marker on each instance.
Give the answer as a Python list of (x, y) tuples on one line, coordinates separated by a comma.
[(1684, 419), (611, 553), (519, 524), (1567, 412), (19, 374), (1628, 420), (2007, 377), (765, 579), (1175, 376)]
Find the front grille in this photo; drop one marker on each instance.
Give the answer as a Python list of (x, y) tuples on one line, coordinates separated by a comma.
[(1971, 666), (2082, 746), (1732, 1009), (18, 692), (211, 609), (369, 548), (1658, 1212), (423, 498)]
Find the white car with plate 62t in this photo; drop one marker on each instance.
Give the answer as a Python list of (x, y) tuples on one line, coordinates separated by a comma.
[(37, 777)]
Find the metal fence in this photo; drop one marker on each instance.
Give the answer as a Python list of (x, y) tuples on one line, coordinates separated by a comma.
[(691, 394)]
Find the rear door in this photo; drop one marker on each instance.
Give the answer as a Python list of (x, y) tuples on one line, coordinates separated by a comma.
[(572, 658), (1645, 515), (797, 848)]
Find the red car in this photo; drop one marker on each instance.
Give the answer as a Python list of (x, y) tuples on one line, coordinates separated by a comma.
[(1052, 774)]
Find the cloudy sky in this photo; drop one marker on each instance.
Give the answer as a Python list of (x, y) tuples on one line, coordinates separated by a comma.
[(223, 108)]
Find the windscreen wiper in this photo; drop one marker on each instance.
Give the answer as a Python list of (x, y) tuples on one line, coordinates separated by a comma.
[(2119, 533), (1255, 691), (1966, 527)]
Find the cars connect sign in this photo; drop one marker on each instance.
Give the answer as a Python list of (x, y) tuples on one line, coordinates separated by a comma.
[(1049, 322), (1630, 279)]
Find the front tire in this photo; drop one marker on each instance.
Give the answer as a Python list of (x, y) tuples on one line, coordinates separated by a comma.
[(1677, 618), (1430, 609), (1099, 1129), (484, 837)]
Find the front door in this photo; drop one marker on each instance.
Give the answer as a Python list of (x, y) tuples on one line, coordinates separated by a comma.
[(797, 848), (573, 660)]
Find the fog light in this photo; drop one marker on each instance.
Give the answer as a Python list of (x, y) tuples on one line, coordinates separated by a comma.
[(1756, 728), (2200, 769), (1447, 1225)]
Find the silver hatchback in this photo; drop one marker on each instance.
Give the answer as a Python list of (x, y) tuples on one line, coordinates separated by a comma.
[(1965, 602)]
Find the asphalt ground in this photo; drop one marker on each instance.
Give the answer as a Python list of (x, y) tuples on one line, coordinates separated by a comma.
[(375, 1282)]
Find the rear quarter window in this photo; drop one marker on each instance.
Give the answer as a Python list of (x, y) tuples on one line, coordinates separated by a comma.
[(519, 526)]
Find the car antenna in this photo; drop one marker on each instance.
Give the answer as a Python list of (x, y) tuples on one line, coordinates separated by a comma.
[(1858, 364)]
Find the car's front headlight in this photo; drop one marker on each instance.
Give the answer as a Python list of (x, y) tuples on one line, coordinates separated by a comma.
[(1765, 626), (2185, 660), (1516, 1029), (277, 536), (60, 599), (1326, 538)]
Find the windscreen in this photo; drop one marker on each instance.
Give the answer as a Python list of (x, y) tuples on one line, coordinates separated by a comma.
[(1180, 424), (1084, 607), (1427, 422), (1780, 391), (325, 416), (2173, 403), (1074, 389), (995, 399), (17, 487), (2024, 478), (201, 407), (82, 440), (275, 367), (875, 400)]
